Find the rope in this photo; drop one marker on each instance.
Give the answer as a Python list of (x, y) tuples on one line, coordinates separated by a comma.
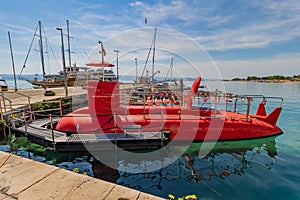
[(213, 190), (5, 159), (28, 52)]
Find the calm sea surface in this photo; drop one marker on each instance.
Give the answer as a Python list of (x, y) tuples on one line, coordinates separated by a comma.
[(256, 169)]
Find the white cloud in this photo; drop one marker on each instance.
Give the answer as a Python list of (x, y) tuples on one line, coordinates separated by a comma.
[(158, 13), (249, 24), (17, 28)]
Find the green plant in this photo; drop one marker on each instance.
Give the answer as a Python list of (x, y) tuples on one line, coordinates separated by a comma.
[(49, 93)]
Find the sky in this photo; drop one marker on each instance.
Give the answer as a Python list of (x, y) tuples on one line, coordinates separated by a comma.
[(217, 39)]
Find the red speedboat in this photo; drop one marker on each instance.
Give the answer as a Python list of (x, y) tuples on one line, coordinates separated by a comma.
[(184, 120)]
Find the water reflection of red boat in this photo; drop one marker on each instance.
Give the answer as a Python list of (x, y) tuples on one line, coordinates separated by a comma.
[(185, 121)]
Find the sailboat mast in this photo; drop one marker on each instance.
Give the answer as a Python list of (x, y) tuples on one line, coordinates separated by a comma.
[(69, 46), (12, 61), (42, 51), (172, 64), (153, 57)]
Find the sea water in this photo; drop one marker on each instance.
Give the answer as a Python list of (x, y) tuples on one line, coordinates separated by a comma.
[(265, 168)]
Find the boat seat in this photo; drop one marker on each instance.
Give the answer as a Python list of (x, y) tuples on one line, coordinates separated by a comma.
[(132, 129)]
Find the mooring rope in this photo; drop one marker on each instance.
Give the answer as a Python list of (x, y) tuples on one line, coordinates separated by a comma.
[(5, 159), (213, 190)]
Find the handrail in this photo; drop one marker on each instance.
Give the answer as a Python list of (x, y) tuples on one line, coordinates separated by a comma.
[(10, 106), (276, 98), (24, 95), (4, 97)]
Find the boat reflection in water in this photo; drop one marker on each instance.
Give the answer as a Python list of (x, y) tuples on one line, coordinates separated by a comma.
[(182, 177), (225, 160)]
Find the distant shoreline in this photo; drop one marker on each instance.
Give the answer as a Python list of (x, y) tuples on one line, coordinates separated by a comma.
[(269, 79)]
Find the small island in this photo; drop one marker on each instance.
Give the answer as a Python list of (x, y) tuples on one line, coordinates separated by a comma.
[(271, 79)]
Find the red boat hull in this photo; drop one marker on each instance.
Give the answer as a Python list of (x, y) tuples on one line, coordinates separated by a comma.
[(185, 123), (231, 126)]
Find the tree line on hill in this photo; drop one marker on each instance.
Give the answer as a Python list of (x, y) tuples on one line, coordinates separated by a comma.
[(269, 78)]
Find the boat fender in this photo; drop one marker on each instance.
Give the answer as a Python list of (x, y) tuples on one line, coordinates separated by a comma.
[(157, 101), (166, 100), (174, 99), (149, 101)]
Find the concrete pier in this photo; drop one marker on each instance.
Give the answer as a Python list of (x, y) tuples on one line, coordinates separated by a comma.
[(37, 95), (21, 178)]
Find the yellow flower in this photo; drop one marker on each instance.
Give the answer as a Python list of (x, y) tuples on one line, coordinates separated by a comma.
[(76, 170), (192, 197), (171, 196)]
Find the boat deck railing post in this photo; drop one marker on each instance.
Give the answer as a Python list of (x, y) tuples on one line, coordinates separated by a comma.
[(60, 108), (3, 98), (11, 115), (248, 107), (144, 106), (28, 99), (162, 118), (161, 139), (235, 103), (25, 123), (10, 107), (3, 121), (226, 102), (115, 130), (215, 110), (1, 112), (52, 131), (179, 111), (30, 109)]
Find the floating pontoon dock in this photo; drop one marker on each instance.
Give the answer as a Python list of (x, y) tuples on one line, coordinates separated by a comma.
[(38, 132)]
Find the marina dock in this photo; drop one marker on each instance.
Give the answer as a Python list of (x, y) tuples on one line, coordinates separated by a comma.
[(59, 141), (37, 95), (19, 117), (21, 178)]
